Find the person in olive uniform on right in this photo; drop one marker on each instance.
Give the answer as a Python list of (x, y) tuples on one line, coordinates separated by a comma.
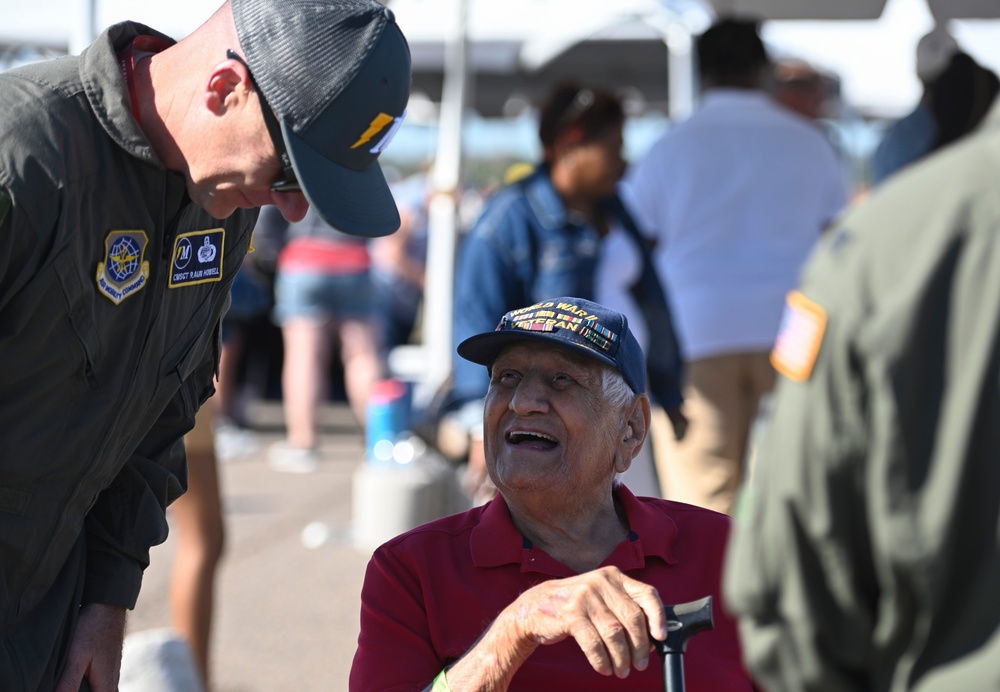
[(866, 549)]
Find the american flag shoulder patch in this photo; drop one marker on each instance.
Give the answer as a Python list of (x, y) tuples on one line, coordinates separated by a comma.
[(799, 337)]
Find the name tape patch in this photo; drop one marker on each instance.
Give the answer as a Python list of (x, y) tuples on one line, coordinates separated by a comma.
[(799, 337), (197, 258)]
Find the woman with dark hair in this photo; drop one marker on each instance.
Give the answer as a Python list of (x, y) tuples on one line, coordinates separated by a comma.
[(542, 236)]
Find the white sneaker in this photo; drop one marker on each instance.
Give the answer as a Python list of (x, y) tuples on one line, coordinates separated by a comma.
[(283, 457), (233, 442)]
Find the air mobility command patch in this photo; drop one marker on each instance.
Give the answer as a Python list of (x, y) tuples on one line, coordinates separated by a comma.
[(799, 337), (197, 258), (123, 271)]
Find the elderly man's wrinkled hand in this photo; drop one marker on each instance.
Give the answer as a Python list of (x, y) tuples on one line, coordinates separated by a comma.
[(609, 615)]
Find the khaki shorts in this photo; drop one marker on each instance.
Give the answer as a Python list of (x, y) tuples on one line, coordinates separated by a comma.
[(721, 399)]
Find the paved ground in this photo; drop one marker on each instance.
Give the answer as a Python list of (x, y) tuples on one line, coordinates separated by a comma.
[(286, 615)]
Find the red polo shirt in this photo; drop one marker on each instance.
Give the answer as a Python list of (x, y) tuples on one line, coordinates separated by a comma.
[(431, 592)]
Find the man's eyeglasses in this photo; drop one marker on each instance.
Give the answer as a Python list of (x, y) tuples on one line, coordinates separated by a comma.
[(286, 182)]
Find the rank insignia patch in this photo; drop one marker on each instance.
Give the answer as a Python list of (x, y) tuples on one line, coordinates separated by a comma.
[(799, 337), (123, 271), (197, 258)]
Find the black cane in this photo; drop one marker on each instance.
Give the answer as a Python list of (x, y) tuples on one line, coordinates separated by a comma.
[(683, 622)]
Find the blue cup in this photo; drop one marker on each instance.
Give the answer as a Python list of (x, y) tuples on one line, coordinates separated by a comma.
[(387, 417)]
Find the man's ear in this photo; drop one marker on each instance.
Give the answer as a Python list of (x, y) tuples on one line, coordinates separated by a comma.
[(638, 420), (226, 78), (635, 429)]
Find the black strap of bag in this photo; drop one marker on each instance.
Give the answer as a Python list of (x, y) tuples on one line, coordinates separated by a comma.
[(663, 355)]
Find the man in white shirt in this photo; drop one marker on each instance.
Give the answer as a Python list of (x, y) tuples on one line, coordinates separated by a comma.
[(736, 196)]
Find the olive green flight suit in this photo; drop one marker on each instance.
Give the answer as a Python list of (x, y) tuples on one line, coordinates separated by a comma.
[(866, 549)]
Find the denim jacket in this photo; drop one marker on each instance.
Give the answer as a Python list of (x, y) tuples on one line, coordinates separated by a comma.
[(526, 248)]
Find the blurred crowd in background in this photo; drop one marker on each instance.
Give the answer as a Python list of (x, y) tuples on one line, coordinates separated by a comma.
[(957, 92)]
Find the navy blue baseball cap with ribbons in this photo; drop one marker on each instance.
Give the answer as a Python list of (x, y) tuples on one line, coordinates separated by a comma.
[(580, 325), (337, 75)]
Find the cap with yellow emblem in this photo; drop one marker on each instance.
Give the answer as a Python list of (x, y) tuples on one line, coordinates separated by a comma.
[(337, 75)]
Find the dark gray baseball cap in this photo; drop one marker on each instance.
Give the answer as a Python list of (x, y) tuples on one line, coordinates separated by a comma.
[(337, 75)]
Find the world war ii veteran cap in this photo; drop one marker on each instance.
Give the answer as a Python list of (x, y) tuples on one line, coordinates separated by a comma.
[(577, 324), (337, 75)]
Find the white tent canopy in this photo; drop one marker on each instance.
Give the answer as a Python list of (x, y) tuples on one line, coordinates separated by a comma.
[(868, 44), (518, 49), (942, 10), (870, 50)]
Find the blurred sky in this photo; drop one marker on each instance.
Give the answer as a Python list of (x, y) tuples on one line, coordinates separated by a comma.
[(874, 59)]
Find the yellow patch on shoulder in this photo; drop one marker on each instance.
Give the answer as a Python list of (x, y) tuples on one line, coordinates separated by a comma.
[(799, 337)]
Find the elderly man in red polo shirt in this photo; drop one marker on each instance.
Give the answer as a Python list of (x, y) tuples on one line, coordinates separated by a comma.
[(558, 582)]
